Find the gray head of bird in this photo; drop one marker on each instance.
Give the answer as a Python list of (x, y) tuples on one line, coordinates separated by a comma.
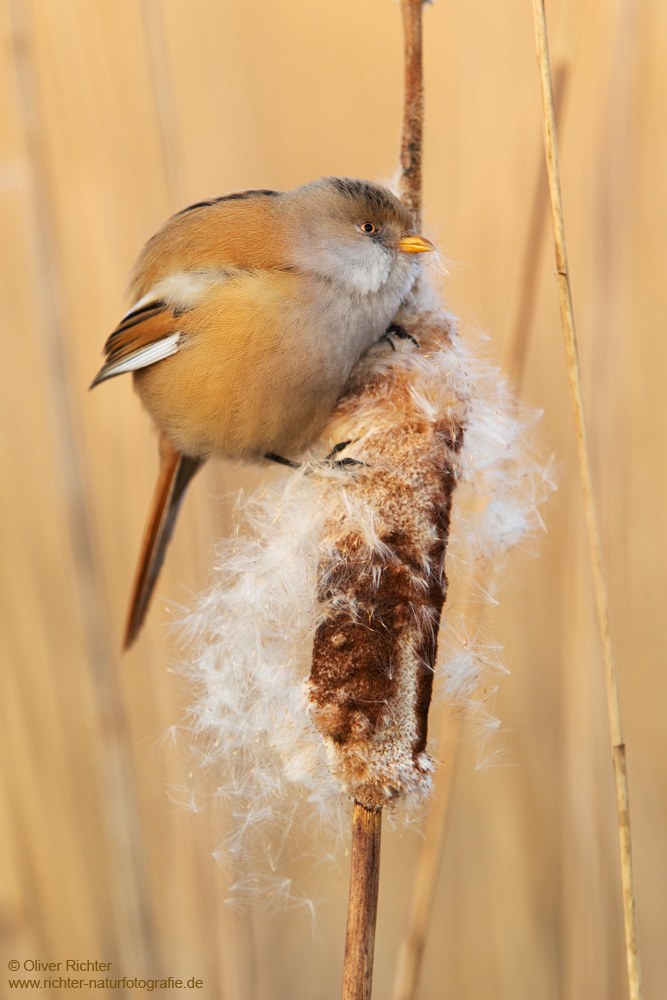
[(356, 233)]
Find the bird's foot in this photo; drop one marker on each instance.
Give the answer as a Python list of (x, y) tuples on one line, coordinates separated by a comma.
[(341, 463), (338, 447), (395, 330)]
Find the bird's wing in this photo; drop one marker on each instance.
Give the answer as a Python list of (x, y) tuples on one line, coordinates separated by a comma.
[(194, 250), (146, 334)]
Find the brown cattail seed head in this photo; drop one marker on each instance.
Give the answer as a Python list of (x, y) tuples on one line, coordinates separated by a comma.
[(381, 577)]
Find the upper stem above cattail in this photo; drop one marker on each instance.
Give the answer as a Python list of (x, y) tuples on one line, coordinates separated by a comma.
[(413, 115)]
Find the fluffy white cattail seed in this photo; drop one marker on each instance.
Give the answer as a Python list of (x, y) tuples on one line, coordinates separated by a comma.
[(318, 561)]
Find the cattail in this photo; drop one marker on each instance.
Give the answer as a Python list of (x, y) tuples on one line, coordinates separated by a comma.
[(348, 560), (381, 578)]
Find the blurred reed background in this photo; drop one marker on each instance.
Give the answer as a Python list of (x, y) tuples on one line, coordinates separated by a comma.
[(115, 113)]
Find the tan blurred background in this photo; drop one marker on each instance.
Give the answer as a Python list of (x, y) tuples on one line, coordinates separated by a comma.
[(113, 114)]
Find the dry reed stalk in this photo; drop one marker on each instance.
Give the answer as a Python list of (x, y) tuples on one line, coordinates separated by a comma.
[(164, 99), (430, 857), (241, 978), (594, 537), (129, 888), (532, 258)]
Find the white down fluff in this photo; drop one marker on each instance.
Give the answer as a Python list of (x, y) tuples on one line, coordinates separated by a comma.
[(250, 635)]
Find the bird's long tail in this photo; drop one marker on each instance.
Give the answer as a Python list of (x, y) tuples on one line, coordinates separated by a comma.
[(176, 471)]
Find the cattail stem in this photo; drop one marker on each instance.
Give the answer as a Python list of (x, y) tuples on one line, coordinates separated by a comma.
[(367, 823), (410, 184), (363, 903), (595, 541)]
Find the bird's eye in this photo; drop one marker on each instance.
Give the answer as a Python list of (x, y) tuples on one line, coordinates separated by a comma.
[(367, 227)]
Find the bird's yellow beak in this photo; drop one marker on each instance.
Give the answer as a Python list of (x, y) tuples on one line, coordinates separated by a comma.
[(415, 244)]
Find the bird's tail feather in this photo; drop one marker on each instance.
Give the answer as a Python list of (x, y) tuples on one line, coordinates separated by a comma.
[(176, 471)]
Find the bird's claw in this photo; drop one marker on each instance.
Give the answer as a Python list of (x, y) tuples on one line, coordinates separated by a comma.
[(341, 463), (395, 330), (338, 447), (347, 463)]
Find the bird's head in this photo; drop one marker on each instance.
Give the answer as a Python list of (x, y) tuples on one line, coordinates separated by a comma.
[(354, 232)]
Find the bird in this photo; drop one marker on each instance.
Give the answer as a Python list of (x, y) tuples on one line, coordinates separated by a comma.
[(248, 314)]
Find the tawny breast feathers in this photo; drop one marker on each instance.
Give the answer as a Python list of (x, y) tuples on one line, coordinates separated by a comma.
[(257, 369)]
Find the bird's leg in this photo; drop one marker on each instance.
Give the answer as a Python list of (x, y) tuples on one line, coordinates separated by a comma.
[(395, 330), (282, 461), (340, 464)]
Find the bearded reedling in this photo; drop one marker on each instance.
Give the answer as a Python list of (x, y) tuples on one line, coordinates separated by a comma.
[(249, 313)]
